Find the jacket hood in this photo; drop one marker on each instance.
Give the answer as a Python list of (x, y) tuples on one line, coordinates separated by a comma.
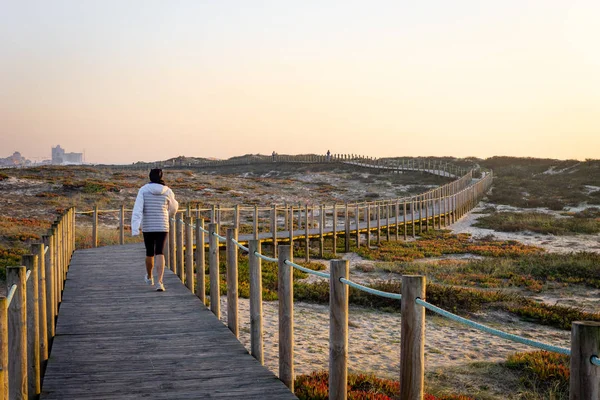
[(156, 188)]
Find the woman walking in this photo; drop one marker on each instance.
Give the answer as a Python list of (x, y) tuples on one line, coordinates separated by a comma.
[(154, 204)]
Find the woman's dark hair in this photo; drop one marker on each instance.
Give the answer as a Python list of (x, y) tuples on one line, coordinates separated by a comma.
[(156, 176)]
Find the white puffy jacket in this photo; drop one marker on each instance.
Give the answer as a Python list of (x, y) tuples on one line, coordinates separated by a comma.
[(153, 206)]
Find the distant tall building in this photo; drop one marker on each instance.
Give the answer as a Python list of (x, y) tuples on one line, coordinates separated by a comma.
[(60, 157)]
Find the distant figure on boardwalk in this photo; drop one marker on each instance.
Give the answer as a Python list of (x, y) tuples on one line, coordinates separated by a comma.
[(274, 155), (154, 204), (328, 156)]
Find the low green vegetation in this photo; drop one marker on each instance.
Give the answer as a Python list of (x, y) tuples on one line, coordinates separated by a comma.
[(540, 223)]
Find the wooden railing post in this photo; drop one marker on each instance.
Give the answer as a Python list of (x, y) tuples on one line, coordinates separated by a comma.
[(397, 219), (338, 330), (321, 230), (17, 334), (387, 221), (172, 245), (291, 227), (306, 234), (48, 240), (413, 204), (357, 219), (256, 318), (122, 225), (443, 209), (63, 254), (30, 262), (421, 198), (427, 203), (447, 210), (38, 250), (69, 235), (347, 229), (255, 222), (179, 268), (285, 293), (405, 224), (56, 270), (189, 254), (368, 218), (3, 349), (65, 246), (236, 216), (200, 261), (378, 223), (213, 269), (334, 224), (412, 339), (585, 377), (95, 226), (71, 230), (274, 229), (232, 281)]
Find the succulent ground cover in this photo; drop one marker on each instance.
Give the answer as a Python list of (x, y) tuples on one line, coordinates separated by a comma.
[(315, 386), (542, 371)]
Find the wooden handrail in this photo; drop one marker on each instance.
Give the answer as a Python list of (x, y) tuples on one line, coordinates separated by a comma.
[(27, 322)]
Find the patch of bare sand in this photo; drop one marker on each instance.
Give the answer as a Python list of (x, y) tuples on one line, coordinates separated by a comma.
[(374, 338)]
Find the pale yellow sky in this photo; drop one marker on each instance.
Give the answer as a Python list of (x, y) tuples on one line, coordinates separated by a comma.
[(147, 80)]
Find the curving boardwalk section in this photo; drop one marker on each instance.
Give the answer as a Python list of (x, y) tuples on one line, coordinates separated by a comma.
[(117, 338)]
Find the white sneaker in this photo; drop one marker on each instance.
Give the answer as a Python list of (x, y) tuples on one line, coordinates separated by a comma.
[(160, 287), (149, 281)]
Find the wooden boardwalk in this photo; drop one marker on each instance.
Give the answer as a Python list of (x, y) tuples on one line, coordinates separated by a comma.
[(117, 338)]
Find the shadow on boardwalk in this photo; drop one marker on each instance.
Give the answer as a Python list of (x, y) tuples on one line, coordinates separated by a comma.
[(117, 338)]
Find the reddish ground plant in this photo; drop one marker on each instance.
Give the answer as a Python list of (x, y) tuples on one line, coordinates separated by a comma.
[(315, 386)]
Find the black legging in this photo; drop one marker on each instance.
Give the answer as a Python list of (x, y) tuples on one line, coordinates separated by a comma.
[(155, 243)]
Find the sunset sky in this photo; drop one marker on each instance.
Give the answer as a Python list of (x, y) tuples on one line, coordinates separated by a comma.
[(145, 80)]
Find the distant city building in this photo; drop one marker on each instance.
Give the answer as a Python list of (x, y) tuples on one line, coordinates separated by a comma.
[(16, 160), (60, 157)]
